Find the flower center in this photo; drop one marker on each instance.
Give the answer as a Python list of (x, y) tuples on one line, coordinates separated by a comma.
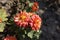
[(37, 21), (23, 17)]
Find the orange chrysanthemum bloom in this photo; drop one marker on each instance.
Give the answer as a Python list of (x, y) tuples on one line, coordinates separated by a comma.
[(22, 19), (36, 3), (10, 38), (35, 6), (35, 22)]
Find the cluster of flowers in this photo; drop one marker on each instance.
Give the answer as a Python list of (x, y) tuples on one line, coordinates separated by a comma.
[(24, 19)]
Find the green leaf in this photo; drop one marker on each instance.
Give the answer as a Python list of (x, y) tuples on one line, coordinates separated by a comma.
[(3, 17), (30, 4), (30, 34), (23, 36), (28, 9), (3, 14), (2, 27), (37, 34)]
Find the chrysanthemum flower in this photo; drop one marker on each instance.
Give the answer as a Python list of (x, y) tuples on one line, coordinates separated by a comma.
[(36, 3), (10, 38), (35, 22), (22, 19), (35, 6)]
